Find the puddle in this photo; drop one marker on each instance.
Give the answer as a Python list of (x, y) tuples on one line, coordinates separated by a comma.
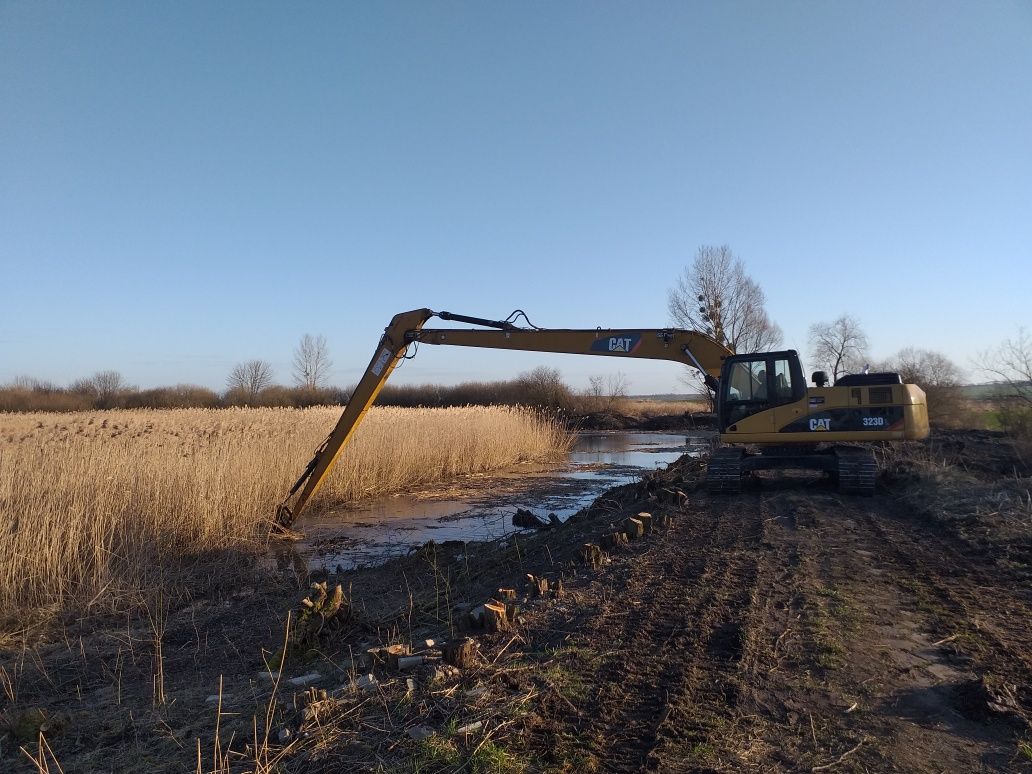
[(481, 508)]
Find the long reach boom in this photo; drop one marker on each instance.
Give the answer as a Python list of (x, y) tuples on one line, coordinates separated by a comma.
[(688, 347)]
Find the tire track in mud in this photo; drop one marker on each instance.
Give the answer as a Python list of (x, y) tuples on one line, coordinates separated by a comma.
[(685, 627), (936, 569), (745, 636)]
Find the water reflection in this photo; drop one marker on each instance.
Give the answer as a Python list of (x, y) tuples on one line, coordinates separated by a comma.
[(483, 508)]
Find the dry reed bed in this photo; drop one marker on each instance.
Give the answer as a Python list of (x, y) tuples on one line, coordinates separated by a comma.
[(99, 507)]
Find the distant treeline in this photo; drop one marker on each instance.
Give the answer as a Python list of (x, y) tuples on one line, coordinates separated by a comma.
[(542, 388), (25, 395)]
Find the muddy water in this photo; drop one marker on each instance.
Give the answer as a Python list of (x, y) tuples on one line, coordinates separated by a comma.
[(481, 507)]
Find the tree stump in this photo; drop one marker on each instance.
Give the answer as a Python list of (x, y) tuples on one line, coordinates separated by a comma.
[(506, 595), (614, 539), (663, 521), (460, 653), (646, 521), (591, 555), (634, 529), (538, 586), (496, 617)]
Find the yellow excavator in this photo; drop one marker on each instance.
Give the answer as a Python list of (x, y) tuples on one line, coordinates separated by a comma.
[(767, 416)]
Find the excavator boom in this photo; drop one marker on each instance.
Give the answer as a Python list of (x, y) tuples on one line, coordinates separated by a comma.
[(688, 347)]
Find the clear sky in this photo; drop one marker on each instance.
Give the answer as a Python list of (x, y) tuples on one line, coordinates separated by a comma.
[(187, 185)]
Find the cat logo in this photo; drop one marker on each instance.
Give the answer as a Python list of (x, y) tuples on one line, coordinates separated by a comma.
[(820, 424), (620, 344)]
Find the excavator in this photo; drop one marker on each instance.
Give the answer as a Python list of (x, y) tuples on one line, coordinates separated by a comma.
[(767, 416)]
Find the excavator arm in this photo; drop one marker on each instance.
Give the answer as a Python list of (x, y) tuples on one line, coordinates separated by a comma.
[(688, 347)]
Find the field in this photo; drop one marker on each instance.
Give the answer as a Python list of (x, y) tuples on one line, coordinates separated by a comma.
[(102, 507)]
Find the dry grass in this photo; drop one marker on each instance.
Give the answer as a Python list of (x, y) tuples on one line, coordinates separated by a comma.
[(646, 407), (99, 507)]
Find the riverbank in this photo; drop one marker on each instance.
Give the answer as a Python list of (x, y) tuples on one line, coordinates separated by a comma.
[(648, 421), (789, 628), (109, 507), (479, 508)]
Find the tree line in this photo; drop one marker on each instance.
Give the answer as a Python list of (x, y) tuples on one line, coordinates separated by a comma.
[(249, 383), (714, 294)]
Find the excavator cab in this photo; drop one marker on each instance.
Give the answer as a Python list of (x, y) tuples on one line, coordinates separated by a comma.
[(757, 382)]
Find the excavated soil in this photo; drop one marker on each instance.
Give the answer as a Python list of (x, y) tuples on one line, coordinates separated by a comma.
[(788, 628)]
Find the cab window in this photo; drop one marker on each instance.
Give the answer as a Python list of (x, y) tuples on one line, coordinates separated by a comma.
[(782, 385), (748, 381), (746, 390)]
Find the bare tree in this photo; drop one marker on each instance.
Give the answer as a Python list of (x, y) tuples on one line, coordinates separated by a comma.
[(250, 378), (605, 391), (544, 388), (1011, 364), (838, 347), (311, 362), (716, 296), (104, 388)]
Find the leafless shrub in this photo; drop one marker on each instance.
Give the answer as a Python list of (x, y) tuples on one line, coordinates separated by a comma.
[(105, 389), (1011, 365), (176, 396), (605, 392), (541, 388)]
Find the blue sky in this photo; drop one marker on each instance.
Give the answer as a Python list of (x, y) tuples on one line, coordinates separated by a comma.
[(187, 185)]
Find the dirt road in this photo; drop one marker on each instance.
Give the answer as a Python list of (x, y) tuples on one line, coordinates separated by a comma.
[(792, 628)]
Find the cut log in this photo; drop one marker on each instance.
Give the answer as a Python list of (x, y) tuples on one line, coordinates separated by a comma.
[(633, 528), (646, 521), (460, 653), (496, 617), (394, 653), (591, 555)]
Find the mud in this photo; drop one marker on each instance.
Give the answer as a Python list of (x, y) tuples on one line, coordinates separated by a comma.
[(479, 508)]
